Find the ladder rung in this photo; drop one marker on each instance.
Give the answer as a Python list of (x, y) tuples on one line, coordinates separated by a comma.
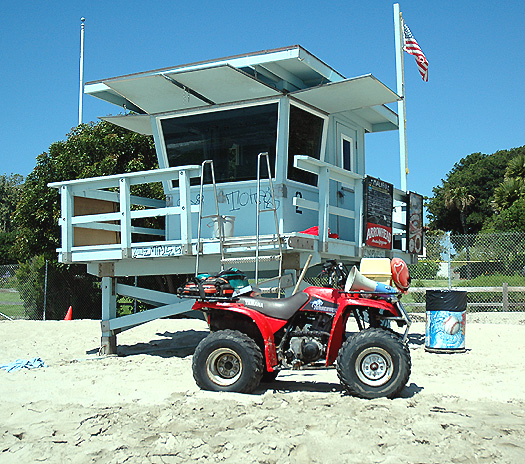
[(266, 210), (250, 259)]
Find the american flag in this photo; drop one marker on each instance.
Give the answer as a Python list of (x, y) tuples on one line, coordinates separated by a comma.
[(412, 47)]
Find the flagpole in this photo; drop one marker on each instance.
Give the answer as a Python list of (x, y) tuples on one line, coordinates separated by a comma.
[(401, 108), (81, 93)]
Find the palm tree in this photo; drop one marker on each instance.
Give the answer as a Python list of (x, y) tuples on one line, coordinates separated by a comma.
[(513, 186), (510, 190), (459, 199), (516, 168)]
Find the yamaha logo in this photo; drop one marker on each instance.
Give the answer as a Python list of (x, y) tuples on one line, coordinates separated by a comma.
[(255, 303)]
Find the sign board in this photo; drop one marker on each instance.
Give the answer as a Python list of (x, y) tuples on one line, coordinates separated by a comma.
[(378, 206), (415, 223)]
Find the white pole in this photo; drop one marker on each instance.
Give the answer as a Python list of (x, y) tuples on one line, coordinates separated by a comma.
[(401, 108), (81, 93)]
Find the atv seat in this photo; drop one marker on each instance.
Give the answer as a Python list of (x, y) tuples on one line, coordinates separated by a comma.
[(282, 308)]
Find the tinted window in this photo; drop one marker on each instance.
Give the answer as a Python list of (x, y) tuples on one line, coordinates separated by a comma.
[(232, 139), (347, 154), (305, 134)]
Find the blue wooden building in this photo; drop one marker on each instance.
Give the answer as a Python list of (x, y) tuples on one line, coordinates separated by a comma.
[(218, 125)]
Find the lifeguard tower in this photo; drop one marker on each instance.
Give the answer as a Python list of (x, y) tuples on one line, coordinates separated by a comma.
[(218, 127)]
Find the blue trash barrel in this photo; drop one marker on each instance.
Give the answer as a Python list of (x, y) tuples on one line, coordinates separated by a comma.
[(446, 313)]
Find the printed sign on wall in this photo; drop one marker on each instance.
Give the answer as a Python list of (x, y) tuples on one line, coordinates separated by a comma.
[(378, 198), (415, 223)]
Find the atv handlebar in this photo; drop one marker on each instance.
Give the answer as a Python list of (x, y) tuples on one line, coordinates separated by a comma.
[(337, 273)]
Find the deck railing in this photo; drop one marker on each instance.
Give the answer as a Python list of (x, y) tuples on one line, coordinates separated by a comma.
[(97, 188), (325, 173)]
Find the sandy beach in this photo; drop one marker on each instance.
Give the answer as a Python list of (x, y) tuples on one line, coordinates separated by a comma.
[(143, 405)]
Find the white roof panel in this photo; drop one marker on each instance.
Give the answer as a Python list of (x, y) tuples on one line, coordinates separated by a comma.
[(140, 123), (380, 118), (349, 94), (155, 94), (223, 84)]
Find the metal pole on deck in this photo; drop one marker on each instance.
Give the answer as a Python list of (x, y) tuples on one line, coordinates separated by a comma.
[(401, 108), (81, 93)]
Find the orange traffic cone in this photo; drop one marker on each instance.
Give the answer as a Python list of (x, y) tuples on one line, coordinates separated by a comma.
[(69, 314)]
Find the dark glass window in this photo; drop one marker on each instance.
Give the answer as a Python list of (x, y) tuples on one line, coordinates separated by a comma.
[(305, 134), (347, 154), (232, 139)]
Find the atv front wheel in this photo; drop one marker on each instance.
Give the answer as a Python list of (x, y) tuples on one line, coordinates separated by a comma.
[(228, 360), (374, 363)]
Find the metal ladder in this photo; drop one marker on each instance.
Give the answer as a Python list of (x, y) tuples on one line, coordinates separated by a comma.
[(217, 216), (258, 258)]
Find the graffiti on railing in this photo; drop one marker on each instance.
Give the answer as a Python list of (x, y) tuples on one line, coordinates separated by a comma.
[(158, 251)]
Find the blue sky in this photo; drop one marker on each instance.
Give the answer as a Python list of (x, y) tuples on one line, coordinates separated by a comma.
[(473, 102)]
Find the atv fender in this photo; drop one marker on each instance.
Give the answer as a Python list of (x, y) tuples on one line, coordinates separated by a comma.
[(343, 312), (267, 325)]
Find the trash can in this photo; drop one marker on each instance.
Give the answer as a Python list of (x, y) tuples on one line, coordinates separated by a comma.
[(446, 312)]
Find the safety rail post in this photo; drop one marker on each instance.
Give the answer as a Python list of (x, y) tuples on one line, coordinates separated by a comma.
[(323, 182), (125, 220), (67, 212), (185, 214)]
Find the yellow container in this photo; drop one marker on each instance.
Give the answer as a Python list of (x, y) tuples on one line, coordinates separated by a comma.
[(377, 269)]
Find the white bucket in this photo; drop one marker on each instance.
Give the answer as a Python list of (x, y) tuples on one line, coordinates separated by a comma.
[(226, 223)]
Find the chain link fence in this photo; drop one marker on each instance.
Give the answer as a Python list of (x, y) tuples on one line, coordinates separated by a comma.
[(490, 267), (42, 290), (11, 305)]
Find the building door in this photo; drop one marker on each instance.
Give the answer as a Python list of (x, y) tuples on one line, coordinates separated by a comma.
[(346, 155)]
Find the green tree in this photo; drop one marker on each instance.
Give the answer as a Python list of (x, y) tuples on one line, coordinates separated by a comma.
[(480, 175), (513, 186), (510, 219), (508, 192), (509, 200), (10, 189), (90, 150)]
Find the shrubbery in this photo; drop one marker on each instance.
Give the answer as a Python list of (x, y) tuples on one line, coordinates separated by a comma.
[(425, 269)]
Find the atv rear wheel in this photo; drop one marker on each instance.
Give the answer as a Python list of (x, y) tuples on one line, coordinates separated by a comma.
[(374, 363), (228, 360)]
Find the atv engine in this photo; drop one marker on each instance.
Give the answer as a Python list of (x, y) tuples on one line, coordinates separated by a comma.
[(308, 339), (305, 349)]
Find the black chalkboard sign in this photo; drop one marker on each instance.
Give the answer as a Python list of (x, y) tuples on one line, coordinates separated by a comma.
[(378, 206)]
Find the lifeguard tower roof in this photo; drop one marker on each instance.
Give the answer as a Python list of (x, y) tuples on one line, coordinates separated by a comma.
[(291, 71)]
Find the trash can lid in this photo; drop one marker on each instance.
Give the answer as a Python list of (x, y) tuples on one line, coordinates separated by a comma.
[(446, 300)]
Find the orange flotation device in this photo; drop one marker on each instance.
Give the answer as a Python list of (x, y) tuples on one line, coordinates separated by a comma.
[(400, 274)]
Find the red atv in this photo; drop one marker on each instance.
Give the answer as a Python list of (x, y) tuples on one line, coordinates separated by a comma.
[(253, 337)]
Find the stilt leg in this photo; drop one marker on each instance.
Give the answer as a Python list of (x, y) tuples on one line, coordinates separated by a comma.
[(108, 342)]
